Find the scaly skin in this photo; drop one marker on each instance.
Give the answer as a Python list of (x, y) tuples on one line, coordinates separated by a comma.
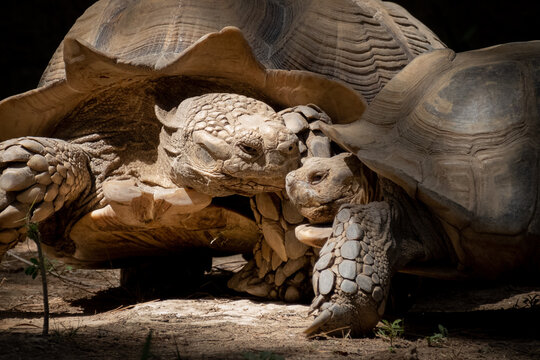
[(377, 231), (281, 266), (218, 144), (222, 144), (40, 177)]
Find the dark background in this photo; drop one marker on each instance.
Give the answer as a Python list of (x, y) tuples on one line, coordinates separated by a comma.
[(30, 30)]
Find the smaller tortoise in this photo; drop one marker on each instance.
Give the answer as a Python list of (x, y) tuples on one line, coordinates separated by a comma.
[(449, 177)]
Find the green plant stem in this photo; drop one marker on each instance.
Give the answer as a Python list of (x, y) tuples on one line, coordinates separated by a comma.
[(37, 240)]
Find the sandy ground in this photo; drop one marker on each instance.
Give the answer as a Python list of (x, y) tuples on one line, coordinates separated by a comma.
[(92, 318)]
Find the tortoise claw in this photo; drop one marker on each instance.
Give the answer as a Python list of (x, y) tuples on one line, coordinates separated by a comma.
[(351, 277), (318, 323)]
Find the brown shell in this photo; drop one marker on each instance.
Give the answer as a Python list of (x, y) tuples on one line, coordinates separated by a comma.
[(461, 133), (116, 43), (363, 43)]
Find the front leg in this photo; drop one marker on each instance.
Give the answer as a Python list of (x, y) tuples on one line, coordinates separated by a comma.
[(352, 276), (39, 177)]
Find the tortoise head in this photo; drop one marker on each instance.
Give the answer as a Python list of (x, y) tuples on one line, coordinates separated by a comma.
[(222, 144), (322, 185)]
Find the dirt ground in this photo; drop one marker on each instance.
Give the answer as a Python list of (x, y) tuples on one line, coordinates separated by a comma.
[(93, 318)]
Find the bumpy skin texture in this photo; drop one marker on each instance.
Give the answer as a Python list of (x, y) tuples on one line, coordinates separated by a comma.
[(39, 177), (281, 266), (217, 143), (320, 186), (222, 144), (373, 236)]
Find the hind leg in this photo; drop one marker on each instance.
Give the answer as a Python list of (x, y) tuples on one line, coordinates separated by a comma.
[(38, 177)]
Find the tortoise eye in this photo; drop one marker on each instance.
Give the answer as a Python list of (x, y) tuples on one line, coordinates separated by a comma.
[(316, 177), (250, 150)]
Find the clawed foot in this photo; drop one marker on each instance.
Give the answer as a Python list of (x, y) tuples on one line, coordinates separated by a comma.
[(351, 277), (289, 281), (38, 177)]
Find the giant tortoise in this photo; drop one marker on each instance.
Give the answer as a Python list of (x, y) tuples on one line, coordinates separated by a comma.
[(106, 124), (445, 183)]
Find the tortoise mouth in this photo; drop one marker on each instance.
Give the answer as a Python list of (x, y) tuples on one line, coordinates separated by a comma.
[(219, 184)]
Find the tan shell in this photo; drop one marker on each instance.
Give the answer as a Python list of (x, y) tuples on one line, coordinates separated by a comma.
[(223, 58), (461, 133), (362, 43)]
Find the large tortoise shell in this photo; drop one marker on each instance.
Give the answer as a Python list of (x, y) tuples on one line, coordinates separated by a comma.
[(461, 133), (363, 43)]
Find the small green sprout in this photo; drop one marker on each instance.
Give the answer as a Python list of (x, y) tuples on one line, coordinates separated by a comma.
[(390, 331), (438, 338)]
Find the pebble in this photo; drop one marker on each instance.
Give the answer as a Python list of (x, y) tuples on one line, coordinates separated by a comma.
[(375, 278)]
